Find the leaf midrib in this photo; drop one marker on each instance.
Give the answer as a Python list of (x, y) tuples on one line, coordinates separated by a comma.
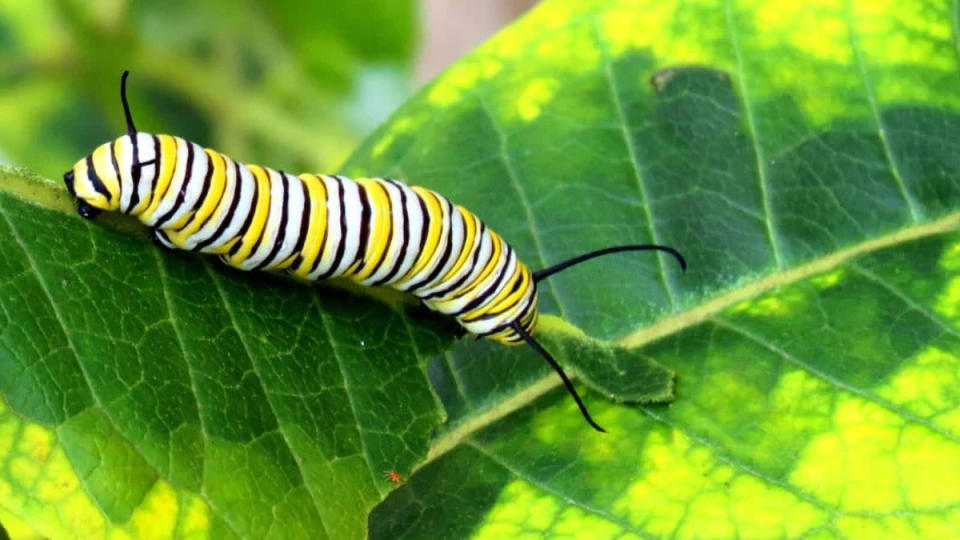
[(680, 321), (51, 197)]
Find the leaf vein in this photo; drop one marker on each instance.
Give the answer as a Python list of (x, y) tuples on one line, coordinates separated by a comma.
[(868, 87), (753, 134), (872, 398), (253, 365)]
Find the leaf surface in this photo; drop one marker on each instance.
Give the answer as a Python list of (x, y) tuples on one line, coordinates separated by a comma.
[(803, 158), (806, 169)]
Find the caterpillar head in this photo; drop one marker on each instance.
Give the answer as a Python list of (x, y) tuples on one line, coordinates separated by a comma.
[(114, 174)]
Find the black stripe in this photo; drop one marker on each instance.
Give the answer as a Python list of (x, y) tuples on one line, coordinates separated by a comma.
[(304, 223), (326, 228), (229, 217), (94, 179), (513, 337), (424, 231), (386, 250), (473, 264), (365, 218), (282, 232), (447, 248), (494, 314), (203, 193), (173, 173), (402, 253), (266, 222), (254, 203), (187, 174), (206, 189), (134, 172), (343, 234), (490, 291), (158, 157), (116, 171)]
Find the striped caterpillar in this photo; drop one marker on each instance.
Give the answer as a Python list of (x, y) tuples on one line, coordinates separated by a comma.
[(375, 231)]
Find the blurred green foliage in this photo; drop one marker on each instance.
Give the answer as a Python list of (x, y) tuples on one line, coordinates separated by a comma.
[(292, 84)]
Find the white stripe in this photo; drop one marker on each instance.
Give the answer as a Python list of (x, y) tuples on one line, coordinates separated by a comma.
[(124, 162), (396, 233), (194, 183), (474, 268), (146, 150), (214, 223), (272, 227), (334, 233), (486, 325), (456, 245), (510, 260), (173, 191), (415, 219), (244, 208), (442, 239), (354, 211), (295, 206)]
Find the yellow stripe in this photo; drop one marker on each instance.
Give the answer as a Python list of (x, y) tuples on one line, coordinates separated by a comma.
[(504, 300), (380, 230), (168, 162), (434, 217), (471, 231), (259, 220), (95, 198), (223, 208), (469, 290), (317, 191), (497, 298), (217, 181), (103, 168), (184, 219)]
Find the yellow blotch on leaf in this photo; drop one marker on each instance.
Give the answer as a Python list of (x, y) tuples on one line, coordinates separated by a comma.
[(927, 386), (459, 79), (524, 511), (397, 127), (40, 487), (943, 525), (521, 509), (948, 301), (686, 492), (650, 25), (533, 96), (829, 279), (876, 461), (816, 28)]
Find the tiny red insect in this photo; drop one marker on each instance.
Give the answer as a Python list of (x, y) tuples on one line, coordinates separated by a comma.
[(393, 476)]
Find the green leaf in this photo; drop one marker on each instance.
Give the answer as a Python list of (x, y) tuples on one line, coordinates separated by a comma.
[(275, 81), (800, 156), (152, 393)]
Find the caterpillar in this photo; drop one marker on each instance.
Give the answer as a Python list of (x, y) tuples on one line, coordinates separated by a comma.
[(375, 231)]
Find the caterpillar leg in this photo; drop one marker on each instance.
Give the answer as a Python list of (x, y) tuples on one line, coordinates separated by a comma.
[(160, 238)]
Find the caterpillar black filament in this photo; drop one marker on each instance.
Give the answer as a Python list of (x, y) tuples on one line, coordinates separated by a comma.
[(378, 232)]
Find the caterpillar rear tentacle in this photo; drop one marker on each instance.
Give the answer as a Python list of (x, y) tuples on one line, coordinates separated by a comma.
[(378, 232)]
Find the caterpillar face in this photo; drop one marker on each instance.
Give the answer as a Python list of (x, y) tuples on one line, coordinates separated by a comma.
[(114, 177)]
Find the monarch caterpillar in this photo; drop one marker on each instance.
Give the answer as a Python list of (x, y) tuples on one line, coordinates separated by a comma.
[(372, 230)]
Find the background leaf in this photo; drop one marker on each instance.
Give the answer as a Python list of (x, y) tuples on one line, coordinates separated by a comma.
[(803, 164), (273, 81)]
